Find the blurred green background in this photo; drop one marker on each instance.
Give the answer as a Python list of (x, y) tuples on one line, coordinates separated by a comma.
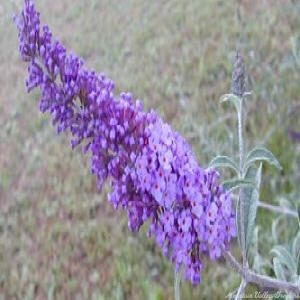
[(59, 238)]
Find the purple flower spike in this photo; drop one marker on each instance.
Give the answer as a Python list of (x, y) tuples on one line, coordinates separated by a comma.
[(153, 173)]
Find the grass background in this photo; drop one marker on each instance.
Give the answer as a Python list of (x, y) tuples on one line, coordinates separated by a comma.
[(59, 239)]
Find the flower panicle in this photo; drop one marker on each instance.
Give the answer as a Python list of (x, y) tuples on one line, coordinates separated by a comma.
[(238, 81), (152, 170)]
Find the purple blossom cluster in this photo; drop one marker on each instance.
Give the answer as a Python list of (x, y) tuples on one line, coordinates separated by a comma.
[(153, 172)]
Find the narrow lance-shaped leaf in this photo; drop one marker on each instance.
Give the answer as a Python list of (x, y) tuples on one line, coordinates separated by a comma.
[(255, 260), (298, 264), (248, 202), (298, 213), (252, 208), (233, 99), (285, 258), (260, 153), (224, 161), (296, 245), (278, 269), (235, 183), (275, 230), (255, 239)]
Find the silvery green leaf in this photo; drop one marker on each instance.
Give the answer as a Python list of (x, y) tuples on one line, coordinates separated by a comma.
[(247, 207), (254, 254), (285, 258), (278, 269), (235, 183), (255, 239), (224, 161), (238, 222), (298, 264), (253, 199), (296, 245), (298, 211), (260, 153), (260, 264), (256, 265), (275, 230), (233, 99)]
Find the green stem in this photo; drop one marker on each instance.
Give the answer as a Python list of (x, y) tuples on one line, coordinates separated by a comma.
[(241, 139), (240, 293), (243, 283), (177, 280), (241, 175)]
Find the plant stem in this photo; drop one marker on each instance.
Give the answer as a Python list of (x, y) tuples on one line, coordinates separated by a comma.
[(243, 283), (241, 175), (241, 166), (240, 292), (241, 139), (177, 280), (261, 280)]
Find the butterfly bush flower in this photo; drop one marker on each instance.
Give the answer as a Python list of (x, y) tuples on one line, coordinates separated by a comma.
[(154, 174)]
